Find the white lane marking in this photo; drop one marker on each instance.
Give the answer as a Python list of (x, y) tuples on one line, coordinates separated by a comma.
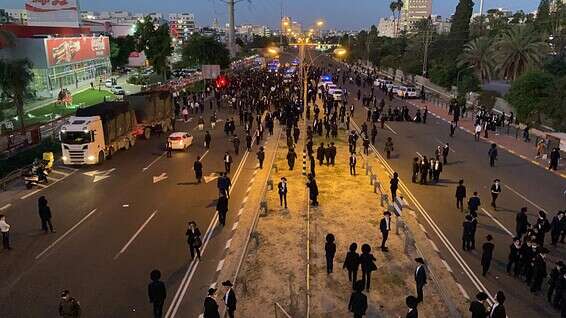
[(442, 143), (228, 243), (241, 211), (419, 154), (422, 228), (5, 206), (52, 179), (59, 172), (497, 222), (41, 185), (220, 265), (434, 246), (393, 131), (29, 194), (524, 198), (245, 199), (463, 291), (248, 189), (446, 265), (204, 155), (65, 234), (135, 235), (125, 205), (252, 179), (154, 161), (235, 226)]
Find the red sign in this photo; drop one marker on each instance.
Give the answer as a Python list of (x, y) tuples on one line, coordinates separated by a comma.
[(76, 49)]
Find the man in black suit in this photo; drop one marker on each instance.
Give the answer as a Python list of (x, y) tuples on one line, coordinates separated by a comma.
[(222, 208), (229, 298), (474, 203), (521, 222), (487, 254), (210, 305), (358, 301), (498, 310), (353, 161), (495, 192), (412, 302), (460, 195), (157, 293), (420, 278), (282, 186), (385, 227)]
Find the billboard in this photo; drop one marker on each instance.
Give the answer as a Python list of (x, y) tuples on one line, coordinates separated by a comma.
[(58, 13), (76, 49), (210, 71)]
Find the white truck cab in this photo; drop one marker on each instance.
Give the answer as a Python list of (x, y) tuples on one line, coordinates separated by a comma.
[(82, 141)]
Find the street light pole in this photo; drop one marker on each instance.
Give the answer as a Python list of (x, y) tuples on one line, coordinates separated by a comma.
[(231, 28)]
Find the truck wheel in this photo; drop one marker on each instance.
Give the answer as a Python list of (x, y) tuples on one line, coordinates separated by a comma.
[(147, 133), (100, 157)]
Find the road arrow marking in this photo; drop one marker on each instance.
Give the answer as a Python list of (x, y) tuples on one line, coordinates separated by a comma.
[(99, 175), (211, 177), (161, 177)]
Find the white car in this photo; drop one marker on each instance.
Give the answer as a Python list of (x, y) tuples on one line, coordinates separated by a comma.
[(407, 92), (108, 83), (394, 89), (118, 90), (336, 94), (180, 140)]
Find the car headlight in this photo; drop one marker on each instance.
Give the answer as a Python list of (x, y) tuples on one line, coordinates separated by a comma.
[(90, 158), (64, 158)]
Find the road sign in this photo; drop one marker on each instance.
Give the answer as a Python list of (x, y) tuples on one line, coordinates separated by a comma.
[(99, 174), (210, 71)]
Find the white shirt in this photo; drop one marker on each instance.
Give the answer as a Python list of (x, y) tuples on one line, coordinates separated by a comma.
[(417, 270), (226, 296), (4, 227), (493, 309)]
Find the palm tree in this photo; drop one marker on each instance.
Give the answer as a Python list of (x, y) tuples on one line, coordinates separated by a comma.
[(517, 50), (478, 54), (396, 6), (15, 77)]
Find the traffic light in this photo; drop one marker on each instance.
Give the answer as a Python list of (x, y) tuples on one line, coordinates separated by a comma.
[(222, 81)]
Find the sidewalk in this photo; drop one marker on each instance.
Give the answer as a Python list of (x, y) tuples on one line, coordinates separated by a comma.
[(274, 269), (516, 146)]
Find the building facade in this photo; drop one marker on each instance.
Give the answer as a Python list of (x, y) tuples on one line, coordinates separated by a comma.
[(386, 27), (414, 11), (181, 26)]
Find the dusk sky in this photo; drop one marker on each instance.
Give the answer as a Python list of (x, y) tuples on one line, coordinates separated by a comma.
[(339, 14)]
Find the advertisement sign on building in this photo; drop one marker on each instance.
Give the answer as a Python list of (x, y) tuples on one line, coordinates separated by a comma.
[(76, 49), (210, 71), (58, 13)]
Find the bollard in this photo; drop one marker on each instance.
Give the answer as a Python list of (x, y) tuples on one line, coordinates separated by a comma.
[(376, 188), (304, 162), (263, 208), (372, 179), (275, 167), (399, 224), (408, 240)]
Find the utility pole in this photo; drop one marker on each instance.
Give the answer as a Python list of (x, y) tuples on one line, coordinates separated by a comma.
[(231, 28), (427, 39)]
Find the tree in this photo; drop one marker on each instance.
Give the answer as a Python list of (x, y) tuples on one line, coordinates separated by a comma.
[(460, 28), (396, 6), (205, 50), (543, 19), (120, 49), (555, 107), (155, 41), (7, 38), (15, 78), (529, 95), (478, 54), (517, 50)]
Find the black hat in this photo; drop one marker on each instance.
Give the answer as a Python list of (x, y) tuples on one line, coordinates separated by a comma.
[(387, 213), (227, 283), (560, 263), (419, 260), (411, 301), (481, 296), (211, 291)]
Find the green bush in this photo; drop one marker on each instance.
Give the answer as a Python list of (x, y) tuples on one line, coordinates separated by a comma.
[(27, 156)]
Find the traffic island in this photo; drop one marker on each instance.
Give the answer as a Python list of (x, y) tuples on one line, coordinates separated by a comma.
[(273, 277)]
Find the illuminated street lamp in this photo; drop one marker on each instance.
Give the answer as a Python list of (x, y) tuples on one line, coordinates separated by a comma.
[(319, 23), (340, 51)]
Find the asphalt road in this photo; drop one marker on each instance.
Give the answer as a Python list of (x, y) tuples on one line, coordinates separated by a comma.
[(111, 233), (524, 184)]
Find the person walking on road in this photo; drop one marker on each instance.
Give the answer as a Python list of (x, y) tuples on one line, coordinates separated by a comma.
[(157, 293), (330, 250), (539, 270), (474, 203), (388, 147), (353, 160), (248, 141), (236, 142), (514, 257), (210, 305), (556, 227), (320, 151), (313, 189), (227, 161), (45, 214), (230, 298), (495, 192), (222, 208), (492, 153), (194, 239), (385, 227), (367, 263), (452, 128), (69, 307), (282, 189), (487, 254), (260, 157), (477, 132), (467, 233), (498, 309), (554, 159), (352, 263), (197, 167), (5, 230), (394, 185), (207, 140), (477, 307), (521, 222), (460, 195), (358, 303), (445, 151), (420, 278), (416, 169), (291, 157)]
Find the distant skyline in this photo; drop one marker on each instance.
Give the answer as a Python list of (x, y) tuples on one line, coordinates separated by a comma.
[(344, 15)]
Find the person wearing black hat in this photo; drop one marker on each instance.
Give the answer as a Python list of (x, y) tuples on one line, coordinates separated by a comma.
[(460, 195), (467, 232), (539, 270), (420, 278), (367, 263), (197, 167), (498, 309), (385, 227), (495, 192), (477, 307), (352, 263), (222, 208), (412, 302), (514, 256), (229, 298), (521, 222), (330, 251), (554, 276), (358, 301), (282, 186), (556, 226), (487, 254), (194, 239), (260, 157), (69, 307), (210, 305), (157, 293)]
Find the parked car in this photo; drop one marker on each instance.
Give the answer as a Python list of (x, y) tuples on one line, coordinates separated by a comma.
[(118, 90), (407, 91), (180, 140)]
